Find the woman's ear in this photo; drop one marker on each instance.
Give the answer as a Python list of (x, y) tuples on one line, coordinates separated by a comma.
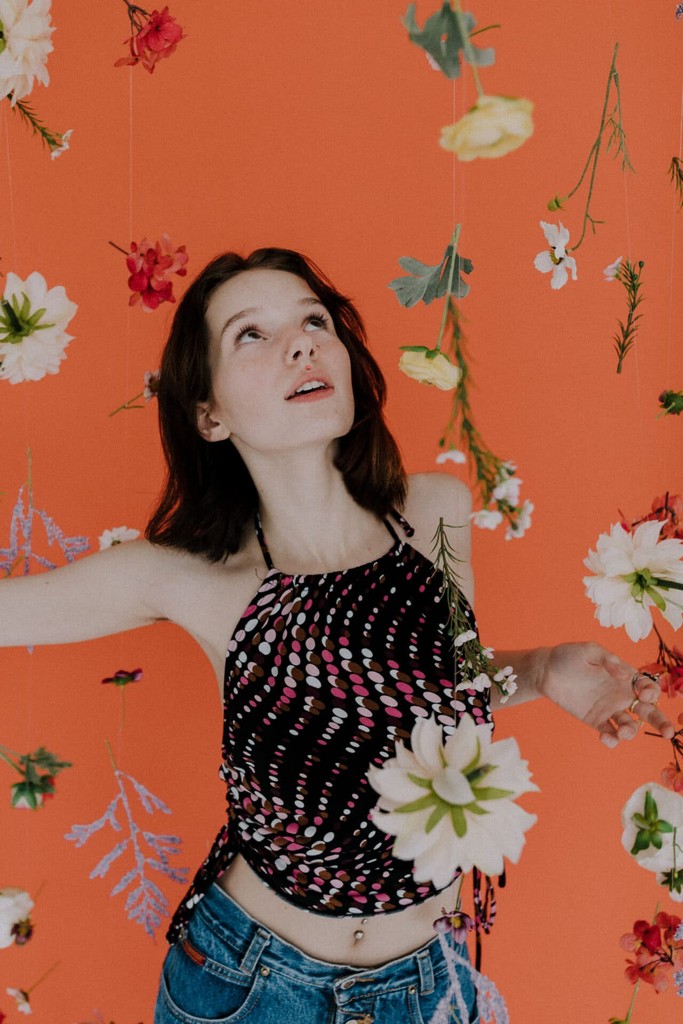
[(210, 428)]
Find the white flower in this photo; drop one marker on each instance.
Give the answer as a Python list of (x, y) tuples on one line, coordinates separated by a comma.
[(507, 490), (612, 270), (661, 810), (26, 29), (451, 805), (506, 469), (63, 146), (117, 535), (23, 1003), (463, 638), (629, 569), (509, 687), (522, 521), (452, 455), (556, 258), (33, 323), (479, 683), (15, 907), (486, 518)]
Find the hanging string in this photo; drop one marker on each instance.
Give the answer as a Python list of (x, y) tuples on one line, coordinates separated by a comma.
[(10, 189), (674, 210)]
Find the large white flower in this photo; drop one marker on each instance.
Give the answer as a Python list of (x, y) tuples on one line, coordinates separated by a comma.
[(25, 44), (653, 827), (15, 907), (33, 321), (555, 259), (631, 573), (451, 805)]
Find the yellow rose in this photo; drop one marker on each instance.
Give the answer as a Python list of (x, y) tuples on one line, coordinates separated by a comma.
[(494, 127), (437, 370)]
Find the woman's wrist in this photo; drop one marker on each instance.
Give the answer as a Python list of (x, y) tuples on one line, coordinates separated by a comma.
[(530, 667)]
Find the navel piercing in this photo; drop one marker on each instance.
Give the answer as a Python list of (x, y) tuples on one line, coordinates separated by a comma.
[(359, 933)]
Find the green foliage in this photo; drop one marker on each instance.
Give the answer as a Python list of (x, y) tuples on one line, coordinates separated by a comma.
[(426, 283), (446, 37)]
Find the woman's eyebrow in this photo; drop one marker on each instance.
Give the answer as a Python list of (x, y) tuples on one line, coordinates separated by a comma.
[(309, 300)]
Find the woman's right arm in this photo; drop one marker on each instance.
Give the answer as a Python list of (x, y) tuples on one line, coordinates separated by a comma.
[(103, 593)]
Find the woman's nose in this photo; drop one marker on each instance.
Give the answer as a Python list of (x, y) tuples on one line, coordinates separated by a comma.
[(301, 346)]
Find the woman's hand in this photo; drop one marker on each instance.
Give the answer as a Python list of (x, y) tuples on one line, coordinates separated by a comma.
[(594, 685)]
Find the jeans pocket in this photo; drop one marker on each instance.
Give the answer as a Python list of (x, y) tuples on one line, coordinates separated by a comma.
[(198, 990), (423, 1005)]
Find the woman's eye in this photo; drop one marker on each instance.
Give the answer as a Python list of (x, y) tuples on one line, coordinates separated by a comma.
[(248, 334), (317, 322)]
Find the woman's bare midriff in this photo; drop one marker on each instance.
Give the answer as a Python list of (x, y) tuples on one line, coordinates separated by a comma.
[(334, 939)]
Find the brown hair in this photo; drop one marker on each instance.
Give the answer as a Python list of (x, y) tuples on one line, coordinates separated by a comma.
[(209, 495)]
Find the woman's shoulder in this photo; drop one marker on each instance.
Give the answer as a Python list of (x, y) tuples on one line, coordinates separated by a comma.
[(435, 496)]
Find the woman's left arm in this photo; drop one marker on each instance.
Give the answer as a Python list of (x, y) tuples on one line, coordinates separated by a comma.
[(589, 682)]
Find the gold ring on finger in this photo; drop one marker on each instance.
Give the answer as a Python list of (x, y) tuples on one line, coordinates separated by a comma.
[(633, 705)]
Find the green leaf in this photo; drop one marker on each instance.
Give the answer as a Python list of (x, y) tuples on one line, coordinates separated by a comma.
[(442, 38), (642, 842), (427, 283), (421, 804), (441, 809), (419, 781), (491, 792), (459, 822)]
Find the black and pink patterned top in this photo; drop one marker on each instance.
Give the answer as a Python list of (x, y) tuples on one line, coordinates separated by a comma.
[(323, 674)]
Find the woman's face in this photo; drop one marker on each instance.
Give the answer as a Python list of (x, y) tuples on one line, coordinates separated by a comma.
[(281, 378)]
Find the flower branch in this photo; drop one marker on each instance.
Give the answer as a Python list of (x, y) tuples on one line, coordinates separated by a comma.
[(628, 274), (38, 771), (676, 176)]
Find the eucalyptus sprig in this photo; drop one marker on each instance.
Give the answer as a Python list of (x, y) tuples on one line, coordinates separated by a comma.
[(461, 432), (625, 338), (676, 176), (56, 142), (612, 125), (446, 39), (478, 660)]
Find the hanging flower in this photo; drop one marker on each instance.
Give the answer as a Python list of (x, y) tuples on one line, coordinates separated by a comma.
[(657, 951), (653, 834), (555, 259), (150, 269), (117, 535), (149, 391), (25, 31), (33, 322), (63, 144), (522, 521), (671, 402), (22, 999), (635, 572), (612, 271), (493, 127), (153, 38), (15, 911), (456, 924), (37, 770), (429, 366), (452, 455), (486, 518), (124, 677), (451, 805)]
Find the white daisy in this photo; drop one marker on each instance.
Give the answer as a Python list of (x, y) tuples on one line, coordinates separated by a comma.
[(117, 535), (555, 259)]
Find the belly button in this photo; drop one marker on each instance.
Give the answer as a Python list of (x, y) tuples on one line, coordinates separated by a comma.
[(359, 933)]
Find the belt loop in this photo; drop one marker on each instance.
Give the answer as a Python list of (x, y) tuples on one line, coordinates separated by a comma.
[(424, 963), (256, 946)]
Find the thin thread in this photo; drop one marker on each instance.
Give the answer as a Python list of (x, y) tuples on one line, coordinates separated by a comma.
[(674, 210), (10, 189)]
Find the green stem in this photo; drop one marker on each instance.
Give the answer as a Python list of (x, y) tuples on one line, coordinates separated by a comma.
[(451, 273), (596, 150), (627, 1019), (42, 977), (111, 755), (4, 755), (129, 405), (115, 246), (467, 47)]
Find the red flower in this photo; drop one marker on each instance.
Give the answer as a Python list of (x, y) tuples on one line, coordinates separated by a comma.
[(122, 677), (153, 39), (672, 776), (150, 268)]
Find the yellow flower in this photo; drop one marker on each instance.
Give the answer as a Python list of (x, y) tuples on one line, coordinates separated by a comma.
[(429, 366), (494, 127)]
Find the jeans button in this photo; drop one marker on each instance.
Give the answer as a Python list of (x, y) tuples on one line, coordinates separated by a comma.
[(347, 983)]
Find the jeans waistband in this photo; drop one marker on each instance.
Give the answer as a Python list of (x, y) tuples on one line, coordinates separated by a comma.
[(256, 945)]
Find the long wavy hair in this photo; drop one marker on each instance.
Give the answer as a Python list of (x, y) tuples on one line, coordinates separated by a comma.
[(209, 495)]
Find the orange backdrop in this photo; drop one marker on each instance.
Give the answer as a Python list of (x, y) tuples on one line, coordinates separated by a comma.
[(315, 126)]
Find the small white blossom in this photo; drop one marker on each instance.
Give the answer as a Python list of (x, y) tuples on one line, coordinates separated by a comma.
[(486, 518), (508, 690), (522, 521), (629, 569), (26, 29), (479, 683), (118, 535), (463, 638), (452, 455), (22, 999), (508, 490), (15, 907), (487, 652), (612, 270), (450, 804), (63, 146), (555, 259), (33, 322)]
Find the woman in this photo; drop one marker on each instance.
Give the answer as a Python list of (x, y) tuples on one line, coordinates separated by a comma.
[(289, 537)]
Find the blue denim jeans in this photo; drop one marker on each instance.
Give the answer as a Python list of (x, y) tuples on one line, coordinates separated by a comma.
[(230, 968)]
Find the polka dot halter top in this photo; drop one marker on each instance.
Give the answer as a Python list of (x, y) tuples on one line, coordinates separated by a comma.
[(323, 674)]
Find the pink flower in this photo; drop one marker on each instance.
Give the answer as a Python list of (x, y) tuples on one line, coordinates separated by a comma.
[(155, 38), (122, 677), (150, 268), (456, 923), (151, 384)]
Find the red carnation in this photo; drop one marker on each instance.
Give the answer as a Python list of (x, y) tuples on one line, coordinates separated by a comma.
[(155, 37)]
